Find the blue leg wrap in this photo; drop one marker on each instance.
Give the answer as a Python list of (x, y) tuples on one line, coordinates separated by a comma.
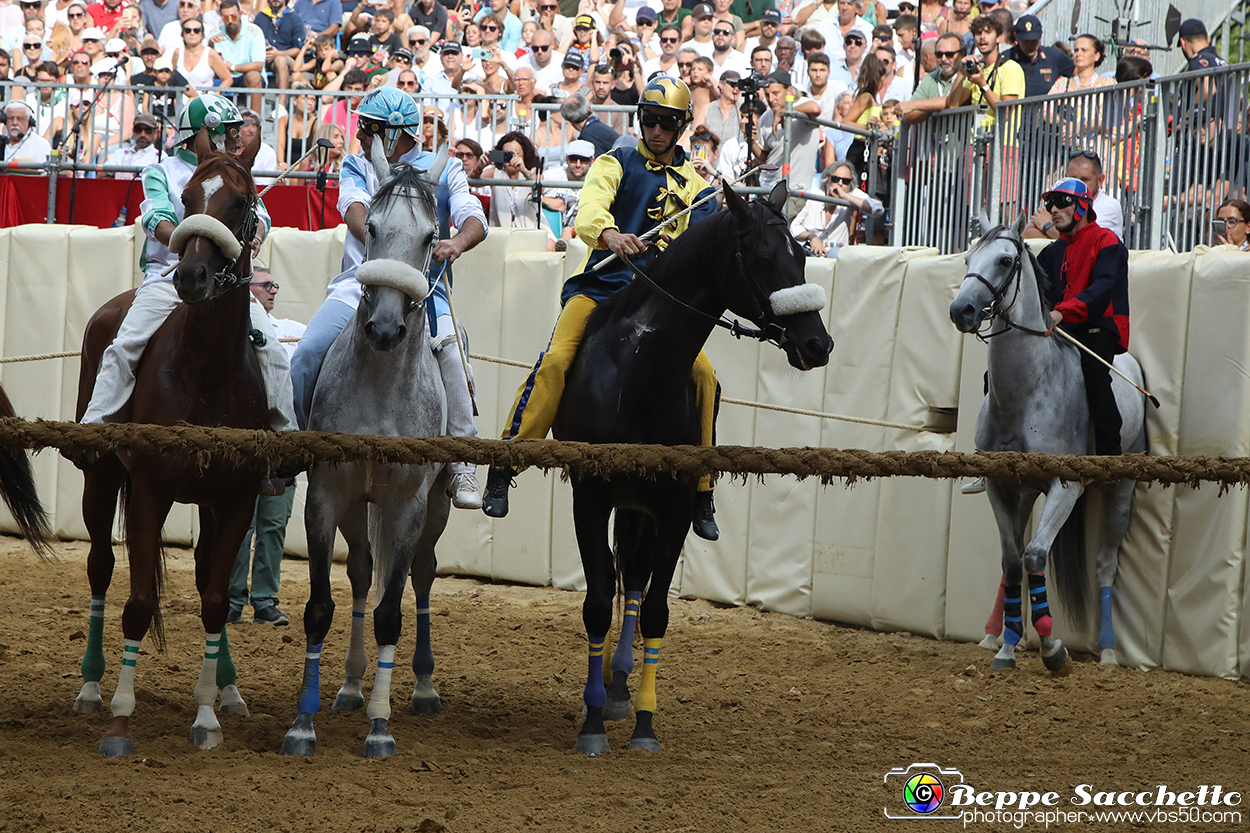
[(1106, 633), (596, 694), (623, 657), (1038, 606), (1013, 624), (423, 656), (310, 692)]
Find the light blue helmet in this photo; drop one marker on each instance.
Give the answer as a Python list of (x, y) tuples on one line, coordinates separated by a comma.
[(388, 110)]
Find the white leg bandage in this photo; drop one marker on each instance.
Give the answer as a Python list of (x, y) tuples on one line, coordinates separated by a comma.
[(380, 700), (123, 704)]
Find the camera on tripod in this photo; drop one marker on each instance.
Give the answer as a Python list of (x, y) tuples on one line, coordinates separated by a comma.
[(752, 84)]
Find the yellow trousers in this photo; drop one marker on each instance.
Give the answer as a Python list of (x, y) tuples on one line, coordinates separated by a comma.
[(538, 398)]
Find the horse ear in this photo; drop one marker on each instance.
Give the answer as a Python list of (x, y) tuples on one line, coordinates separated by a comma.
[(435, 173), (203, 145), (1021, 221), (248, 157), (736, 204), (779, 195), (381, 167), (984, 219)]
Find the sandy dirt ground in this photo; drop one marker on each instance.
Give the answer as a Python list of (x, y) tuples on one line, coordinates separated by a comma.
[(769, 723)]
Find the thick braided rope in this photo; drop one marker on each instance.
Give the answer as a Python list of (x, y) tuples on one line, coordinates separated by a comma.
[(242, 447)]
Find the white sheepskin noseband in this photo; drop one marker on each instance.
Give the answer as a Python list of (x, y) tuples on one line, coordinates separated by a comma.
[(394, 273), (202, 225), (808, 297)]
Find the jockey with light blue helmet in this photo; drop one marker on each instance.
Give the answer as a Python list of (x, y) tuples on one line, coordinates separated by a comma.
[(392, 117)]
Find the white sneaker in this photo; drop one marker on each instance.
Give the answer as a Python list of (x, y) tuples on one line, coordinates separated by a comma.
[(463, 490), (976, 487)]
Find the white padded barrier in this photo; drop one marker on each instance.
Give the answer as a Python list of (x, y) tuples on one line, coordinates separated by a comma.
[(892, 554)]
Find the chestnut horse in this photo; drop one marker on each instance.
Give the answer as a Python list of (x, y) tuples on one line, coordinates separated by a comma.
[(199, 368)]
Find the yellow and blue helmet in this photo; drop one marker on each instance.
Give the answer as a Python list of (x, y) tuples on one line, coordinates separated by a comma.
[(672, 95)]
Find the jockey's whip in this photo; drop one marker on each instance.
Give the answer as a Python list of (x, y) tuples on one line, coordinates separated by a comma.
[(1113, 368), (320, 144), (455, 328), (656, 231)]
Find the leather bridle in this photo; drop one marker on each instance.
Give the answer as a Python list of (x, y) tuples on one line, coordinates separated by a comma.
[(996, 309)]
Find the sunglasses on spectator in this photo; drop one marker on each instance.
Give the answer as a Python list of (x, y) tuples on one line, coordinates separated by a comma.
[(1059, 201), (490, 28), (667, 122), (1088, 154), (193, 31), (583, 159), (143, 128), (680, 65), (81, 63), (416, 41), (943, 54), (548, 8), (403, 58), (541, 48), (79, 14), (723, 32), (268, 286), (670, 40), (30, 5), (464, 154), (32, 46), (841, 180), (187, 5), (856, 39), (646, 22)]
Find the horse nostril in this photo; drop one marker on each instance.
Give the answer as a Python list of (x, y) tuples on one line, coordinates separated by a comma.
[(371, 331), (400, 332)]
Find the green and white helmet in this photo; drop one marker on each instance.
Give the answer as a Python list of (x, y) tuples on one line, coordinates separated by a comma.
[(213, 111)]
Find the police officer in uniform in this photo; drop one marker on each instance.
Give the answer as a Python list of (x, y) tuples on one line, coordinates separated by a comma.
[(1042, 65), (628, 192), (1196, 44)]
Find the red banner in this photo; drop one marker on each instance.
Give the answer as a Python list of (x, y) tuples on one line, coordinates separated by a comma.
[(99, 202)]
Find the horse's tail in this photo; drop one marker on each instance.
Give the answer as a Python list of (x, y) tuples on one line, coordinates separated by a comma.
[(633, 532), (17, 487), (1068, 557), (157, 628)]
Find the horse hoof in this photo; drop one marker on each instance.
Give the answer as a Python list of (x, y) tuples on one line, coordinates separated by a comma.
[(1003, 663), (379, 743), (425, 705), (205, 737), (649, 744), (117, 747), (1057, 660), (232, 702), (1108, 658), (300, 738), (989, 643), (86, 705), (592, 746), (348, 703), (617, 709)]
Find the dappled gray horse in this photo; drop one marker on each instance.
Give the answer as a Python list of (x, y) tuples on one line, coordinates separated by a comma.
[(379, 377), (1036, 402)]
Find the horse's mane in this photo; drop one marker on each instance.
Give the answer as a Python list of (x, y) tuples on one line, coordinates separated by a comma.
[(689, 257), (1001, 232), (404, 176)]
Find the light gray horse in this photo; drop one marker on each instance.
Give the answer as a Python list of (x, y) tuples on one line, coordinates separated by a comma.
[(1036, 402), (379, 377)]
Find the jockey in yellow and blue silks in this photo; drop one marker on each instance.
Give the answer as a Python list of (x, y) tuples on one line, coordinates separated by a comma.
[(628, 192)]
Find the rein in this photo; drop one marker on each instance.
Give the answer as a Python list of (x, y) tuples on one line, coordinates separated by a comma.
[(996, 310)]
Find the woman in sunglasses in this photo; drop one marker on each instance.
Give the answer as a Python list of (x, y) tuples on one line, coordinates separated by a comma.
[(627, 191), (198, 63), (824, 228)]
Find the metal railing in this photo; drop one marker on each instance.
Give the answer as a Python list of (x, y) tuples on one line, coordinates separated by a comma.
[(1171, 152)]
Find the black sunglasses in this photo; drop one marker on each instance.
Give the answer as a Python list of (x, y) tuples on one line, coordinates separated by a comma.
[(726, 33), (856, 40), (194, 31), (1059, 201), (680, 65), (944, 54), (842, 180), (540, 48), (32, 46), (670, 40), (416, 41), (143, 128), (667, 122), (1088, 154)]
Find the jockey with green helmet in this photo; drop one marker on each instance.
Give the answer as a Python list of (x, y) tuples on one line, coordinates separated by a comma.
[(391, 116), (627, 192), (161, 211)]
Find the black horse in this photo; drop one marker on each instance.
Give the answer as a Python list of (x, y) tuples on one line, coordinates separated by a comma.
[(631, 383)]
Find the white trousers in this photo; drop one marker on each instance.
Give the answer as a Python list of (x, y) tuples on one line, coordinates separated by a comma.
[(153, 303), (456, 387)]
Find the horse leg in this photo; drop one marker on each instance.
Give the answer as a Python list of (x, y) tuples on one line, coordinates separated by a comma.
[(618, 705), (222, 528), (994, 624), (355, 528), (662, 551), (425, 699), (101, 484), (1115, 527), (1061, 498), (145, 515), (227, 674), (319, 520), (1011, 512), (396, 524), (591, 509)]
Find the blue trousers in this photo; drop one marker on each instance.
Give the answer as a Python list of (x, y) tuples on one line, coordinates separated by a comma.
[(269, 527)]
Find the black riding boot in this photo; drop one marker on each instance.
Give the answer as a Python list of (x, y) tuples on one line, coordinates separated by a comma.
[(495, 497), (705, 516)]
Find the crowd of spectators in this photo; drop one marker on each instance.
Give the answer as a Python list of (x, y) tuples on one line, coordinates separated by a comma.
[(860, 63)]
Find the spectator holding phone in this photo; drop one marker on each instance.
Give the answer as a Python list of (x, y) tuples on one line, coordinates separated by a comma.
[(1234, 215), (514, 157)]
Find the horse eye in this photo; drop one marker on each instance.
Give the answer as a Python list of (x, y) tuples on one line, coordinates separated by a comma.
[(371, 229), (430, 238)]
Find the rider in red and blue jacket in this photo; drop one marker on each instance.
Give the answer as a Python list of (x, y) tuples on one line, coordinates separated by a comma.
[(1088, 269)]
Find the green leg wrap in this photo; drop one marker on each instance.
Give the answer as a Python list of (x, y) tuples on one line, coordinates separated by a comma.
[(227, 674), (93, 659)]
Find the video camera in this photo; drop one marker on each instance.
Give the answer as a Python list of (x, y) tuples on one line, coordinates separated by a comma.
[(752, 84)]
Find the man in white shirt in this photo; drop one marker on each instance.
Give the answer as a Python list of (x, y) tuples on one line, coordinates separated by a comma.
[(545, 60), (143, 152), (670, 40), (900, 88), (822, 86), (1086, 166), (24, 143), (266, 157), (770, 26), (835, 29), (804, 139), (701, 40), (724, 56)]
